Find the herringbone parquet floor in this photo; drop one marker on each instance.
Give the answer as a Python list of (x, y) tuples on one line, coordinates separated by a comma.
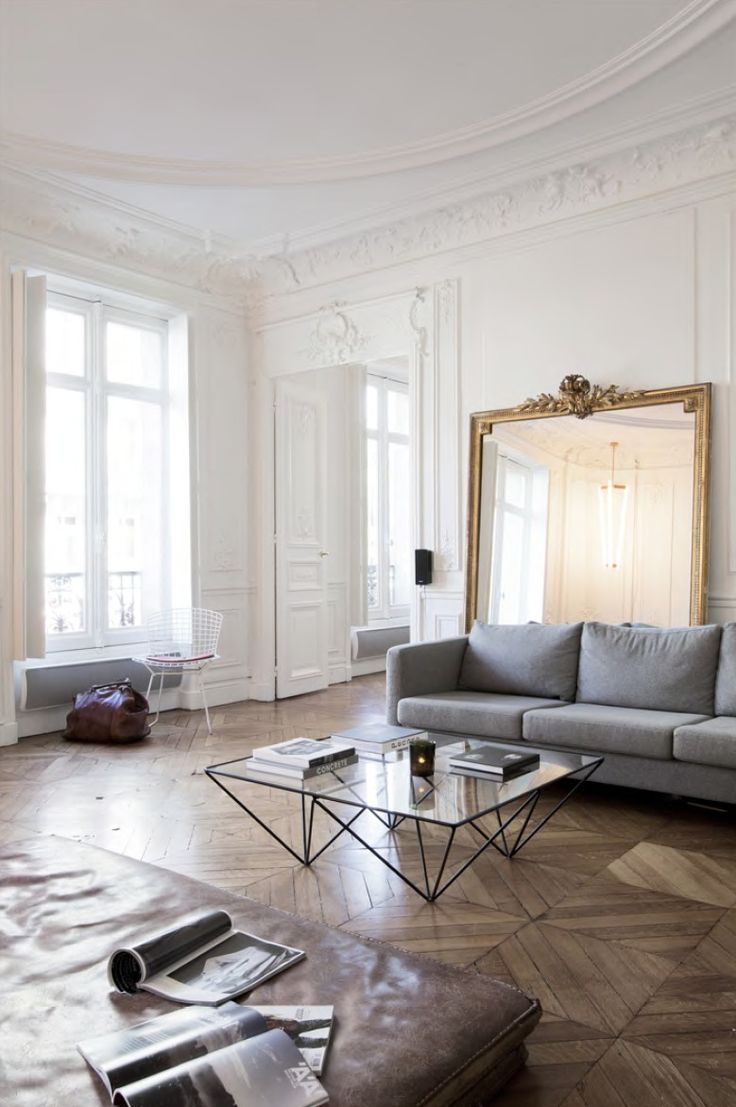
[(620, 915)]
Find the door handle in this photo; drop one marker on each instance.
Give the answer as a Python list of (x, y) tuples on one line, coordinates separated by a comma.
[(324, 553)]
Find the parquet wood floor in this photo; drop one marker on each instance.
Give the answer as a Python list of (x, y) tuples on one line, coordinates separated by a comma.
[(620, 915)]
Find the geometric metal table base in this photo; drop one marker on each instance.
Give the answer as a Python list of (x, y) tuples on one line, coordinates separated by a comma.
[(509, 837)]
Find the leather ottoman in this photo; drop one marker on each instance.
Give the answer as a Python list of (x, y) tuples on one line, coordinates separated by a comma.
[(409, 1032)]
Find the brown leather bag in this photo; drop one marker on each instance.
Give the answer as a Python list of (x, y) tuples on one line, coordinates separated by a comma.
[(108, 713)]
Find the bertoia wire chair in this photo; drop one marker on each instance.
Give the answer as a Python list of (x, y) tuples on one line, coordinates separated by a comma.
[(181, 640)]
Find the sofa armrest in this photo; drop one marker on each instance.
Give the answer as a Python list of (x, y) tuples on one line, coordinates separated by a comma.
[(421, 668)]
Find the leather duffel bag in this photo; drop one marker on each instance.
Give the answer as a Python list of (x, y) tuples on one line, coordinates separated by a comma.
[(108, 713)]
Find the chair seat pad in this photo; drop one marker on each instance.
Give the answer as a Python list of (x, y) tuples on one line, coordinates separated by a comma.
[(487, 714), (589, 726), (712, 742)]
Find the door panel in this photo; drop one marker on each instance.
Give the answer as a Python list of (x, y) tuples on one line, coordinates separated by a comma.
[(301, 590)]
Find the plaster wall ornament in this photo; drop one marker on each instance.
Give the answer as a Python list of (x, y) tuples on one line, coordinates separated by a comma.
[(577, 397), (632, 173), (417, 323), (47, 210), (335, 339), (81, 221)]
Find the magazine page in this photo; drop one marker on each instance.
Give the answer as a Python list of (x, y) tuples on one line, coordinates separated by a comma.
[(267, 1071), (126, 1056), (128, 968), (308, 1027), (231, 967)]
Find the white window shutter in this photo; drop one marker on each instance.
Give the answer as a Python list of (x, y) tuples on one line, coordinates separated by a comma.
[(29, 484), (357, 375)]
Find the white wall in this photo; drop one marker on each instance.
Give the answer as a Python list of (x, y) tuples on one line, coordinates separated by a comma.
[(627, 284), (652, 585)]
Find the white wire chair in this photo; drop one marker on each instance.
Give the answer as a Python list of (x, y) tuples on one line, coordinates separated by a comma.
[(181, 640)]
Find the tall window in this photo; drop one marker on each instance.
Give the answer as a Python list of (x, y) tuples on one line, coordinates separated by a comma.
[(519, 542), (108, 432), (388, 499)]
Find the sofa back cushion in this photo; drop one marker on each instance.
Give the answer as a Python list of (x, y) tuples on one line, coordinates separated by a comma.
[(726, 678), (663, 668), (528, 660)]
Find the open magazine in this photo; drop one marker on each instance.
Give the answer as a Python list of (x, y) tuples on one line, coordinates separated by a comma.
[(227, 1056), (203, 960)]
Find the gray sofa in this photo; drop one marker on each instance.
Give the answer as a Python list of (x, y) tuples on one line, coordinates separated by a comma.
[(659, 703)]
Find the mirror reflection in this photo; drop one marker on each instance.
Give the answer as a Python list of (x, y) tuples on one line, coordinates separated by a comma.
[(588, 518)]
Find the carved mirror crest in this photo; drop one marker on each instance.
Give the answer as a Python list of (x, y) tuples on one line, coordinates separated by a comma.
[(591, 503)]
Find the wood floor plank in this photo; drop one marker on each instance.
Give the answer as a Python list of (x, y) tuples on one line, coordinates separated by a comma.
[(620, 914)]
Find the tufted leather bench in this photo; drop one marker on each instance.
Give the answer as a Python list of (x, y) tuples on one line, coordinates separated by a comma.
[(410, 1032)]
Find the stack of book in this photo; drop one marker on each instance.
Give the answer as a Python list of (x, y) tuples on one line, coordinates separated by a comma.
[(302, 758), (376, 740), (498, 763)]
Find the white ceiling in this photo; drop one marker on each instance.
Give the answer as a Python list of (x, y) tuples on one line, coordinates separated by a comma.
[(290, 119)]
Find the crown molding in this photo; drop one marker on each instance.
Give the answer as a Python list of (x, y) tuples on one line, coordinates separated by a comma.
[(47, 210), (689, 27), (508, 173), (636, 172)]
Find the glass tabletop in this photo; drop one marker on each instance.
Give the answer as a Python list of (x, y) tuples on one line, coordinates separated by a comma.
[(448, 798)]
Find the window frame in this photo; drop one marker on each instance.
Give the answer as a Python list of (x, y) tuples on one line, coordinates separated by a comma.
[(385, 612), (536, 486), (93, 384)]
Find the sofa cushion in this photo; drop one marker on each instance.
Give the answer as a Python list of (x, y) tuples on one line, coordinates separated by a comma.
[(529, 660), (602, 729), (710, 743), (667, 669), (485, 713), (726, 677)]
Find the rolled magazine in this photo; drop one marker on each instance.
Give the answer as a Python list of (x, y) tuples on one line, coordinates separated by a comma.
[(202, 960)]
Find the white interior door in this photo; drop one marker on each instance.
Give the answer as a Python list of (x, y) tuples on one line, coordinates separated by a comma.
[(301, 554)]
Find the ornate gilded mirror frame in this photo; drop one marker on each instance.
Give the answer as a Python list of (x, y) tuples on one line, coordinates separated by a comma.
[(578, 397)]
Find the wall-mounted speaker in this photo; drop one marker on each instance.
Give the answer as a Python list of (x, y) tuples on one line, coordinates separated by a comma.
[(423, 566)]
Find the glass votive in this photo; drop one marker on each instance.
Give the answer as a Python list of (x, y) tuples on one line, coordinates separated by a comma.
[(421, 756)]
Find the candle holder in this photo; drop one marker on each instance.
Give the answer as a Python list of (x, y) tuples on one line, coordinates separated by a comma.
[(421, 756)]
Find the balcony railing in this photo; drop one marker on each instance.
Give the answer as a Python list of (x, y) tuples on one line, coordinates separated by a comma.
[(66, 602)]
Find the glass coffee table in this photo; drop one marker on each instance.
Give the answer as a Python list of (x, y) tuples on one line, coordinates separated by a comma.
[(387, 790)]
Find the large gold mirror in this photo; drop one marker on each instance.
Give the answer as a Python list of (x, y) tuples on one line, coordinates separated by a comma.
[(590, 504)]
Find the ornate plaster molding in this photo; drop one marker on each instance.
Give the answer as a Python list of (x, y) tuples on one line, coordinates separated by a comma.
[(335, 339), (686, 157), (692, 24), (78, 220)]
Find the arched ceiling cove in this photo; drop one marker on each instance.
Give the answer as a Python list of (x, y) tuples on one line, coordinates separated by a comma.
[(258, 118)]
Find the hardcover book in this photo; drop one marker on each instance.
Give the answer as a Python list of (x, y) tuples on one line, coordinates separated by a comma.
[(305, 753), (202, 960), (499, 762), (379, 737), (293, 772), (231, 1056)]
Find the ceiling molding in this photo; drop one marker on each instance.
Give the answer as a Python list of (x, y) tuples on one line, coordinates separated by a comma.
[(47, 210), (696, 22), (78, 220), (687, 157)]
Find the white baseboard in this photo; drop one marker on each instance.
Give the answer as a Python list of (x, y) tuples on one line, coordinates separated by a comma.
[(263, 690), (339, 673), (369, 665), (8, 734), (226, 691)]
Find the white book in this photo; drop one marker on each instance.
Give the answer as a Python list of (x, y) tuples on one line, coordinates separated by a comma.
[(293, 772), (379, 738), (305, 753)]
